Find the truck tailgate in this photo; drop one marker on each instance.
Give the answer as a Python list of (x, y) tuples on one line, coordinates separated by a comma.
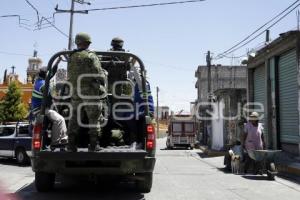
[(112, 161), (83, 154)]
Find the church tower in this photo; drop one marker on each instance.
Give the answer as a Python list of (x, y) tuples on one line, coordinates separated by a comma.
[(34, 64)]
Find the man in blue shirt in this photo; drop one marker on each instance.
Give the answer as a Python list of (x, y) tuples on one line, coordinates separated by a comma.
[(59, 129)]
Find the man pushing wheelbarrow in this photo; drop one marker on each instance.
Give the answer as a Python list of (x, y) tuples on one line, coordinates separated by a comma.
[(254, 144)]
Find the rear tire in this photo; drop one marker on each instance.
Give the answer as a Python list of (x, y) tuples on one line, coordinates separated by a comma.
[(21, 156), (145, 185), (44, 182), (270, 173)]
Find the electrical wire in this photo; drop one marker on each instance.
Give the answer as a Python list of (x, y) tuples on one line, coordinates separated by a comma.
[(34, 8), (143, 5), (230, 50), (55, 27), (42, 18), (262, 32), (13, 54)]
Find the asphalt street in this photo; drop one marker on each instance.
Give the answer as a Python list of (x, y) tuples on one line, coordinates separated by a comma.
[(179, 174)]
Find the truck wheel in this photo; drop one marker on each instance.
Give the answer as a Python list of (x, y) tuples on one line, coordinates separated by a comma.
[(168, 144), (145, 185), (44, 182), (21, 156)]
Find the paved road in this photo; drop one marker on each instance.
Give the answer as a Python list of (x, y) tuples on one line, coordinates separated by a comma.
[(179, 174)]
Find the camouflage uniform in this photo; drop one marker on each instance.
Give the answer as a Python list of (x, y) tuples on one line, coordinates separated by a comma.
[(82, 62), (117, 44)]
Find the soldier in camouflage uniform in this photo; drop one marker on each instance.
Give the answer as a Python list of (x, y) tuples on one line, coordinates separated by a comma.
[(83, 61), (117, 44)]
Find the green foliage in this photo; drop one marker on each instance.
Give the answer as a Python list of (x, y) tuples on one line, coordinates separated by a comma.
[(11, 106)]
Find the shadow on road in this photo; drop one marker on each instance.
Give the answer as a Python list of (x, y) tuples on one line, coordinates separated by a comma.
[(174, 149), (82, 191), (11, 162), (256, 177), (204, 155), (225, 170)]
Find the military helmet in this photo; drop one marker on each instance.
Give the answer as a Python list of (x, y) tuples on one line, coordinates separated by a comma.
[(117, 42), (82, 37), (43, 72)]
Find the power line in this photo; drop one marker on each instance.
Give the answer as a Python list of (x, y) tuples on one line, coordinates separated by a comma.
[(42, 18), (21, 21), (264, 30), (230, 50), (34, 8), (167, 66), (55, 27), (143, 5), (13, 54)]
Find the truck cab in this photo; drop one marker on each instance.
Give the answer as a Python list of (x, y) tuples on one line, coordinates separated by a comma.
[(114, 159), (181, 132)]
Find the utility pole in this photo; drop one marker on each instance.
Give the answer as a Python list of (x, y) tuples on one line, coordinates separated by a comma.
[(157, 104), (71, 25), (207, 123), (208, 62), (72, 11)]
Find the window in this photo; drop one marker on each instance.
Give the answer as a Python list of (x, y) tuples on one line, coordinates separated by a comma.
[(23, 131), (177, 127), (189, 127), (6, 131)]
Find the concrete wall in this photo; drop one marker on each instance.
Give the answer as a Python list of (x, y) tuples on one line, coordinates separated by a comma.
[(222, 77)]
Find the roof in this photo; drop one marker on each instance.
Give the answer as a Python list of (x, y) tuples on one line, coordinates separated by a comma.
[(283, 43)]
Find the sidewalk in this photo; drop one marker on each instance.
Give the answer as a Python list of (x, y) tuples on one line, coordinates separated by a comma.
[(285, 162), (288, 164)]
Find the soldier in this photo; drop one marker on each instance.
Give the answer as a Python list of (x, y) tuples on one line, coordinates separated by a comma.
[(117, 44), (83, 62)]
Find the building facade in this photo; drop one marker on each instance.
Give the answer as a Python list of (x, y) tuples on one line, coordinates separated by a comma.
[(228, 94), (274, 81), (34, 64)]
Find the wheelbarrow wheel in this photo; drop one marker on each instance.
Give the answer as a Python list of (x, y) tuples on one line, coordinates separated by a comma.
[(271, 172)]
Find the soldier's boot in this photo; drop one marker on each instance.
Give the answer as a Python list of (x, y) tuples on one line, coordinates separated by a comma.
[(71, 147), (94, 144)]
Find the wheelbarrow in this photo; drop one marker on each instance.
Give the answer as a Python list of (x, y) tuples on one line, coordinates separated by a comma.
[(266, 160)]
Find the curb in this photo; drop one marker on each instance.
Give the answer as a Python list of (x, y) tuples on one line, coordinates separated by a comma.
[(289, 168), (212, 153)]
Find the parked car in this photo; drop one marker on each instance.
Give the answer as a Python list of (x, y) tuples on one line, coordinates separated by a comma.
[(15, 142), (181, 132)]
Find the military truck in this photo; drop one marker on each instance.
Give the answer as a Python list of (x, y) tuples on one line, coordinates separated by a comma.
[(115, 158)]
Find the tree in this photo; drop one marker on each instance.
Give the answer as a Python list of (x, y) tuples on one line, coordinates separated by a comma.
[(11, 106)]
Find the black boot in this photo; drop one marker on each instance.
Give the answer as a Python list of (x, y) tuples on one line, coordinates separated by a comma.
[(94, 147), (71, 147)]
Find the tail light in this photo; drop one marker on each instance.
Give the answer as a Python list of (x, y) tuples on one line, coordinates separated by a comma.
[(150, 137), (36, 137)]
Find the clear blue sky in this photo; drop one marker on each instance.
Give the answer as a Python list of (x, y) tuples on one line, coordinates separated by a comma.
[(172, 40)]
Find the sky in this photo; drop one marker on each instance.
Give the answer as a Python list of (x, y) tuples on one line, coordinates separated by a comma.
[(171, 40)]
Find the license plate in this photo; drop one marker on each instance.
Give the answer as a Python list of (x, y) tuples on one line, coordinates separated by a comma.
[(183, 140)]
